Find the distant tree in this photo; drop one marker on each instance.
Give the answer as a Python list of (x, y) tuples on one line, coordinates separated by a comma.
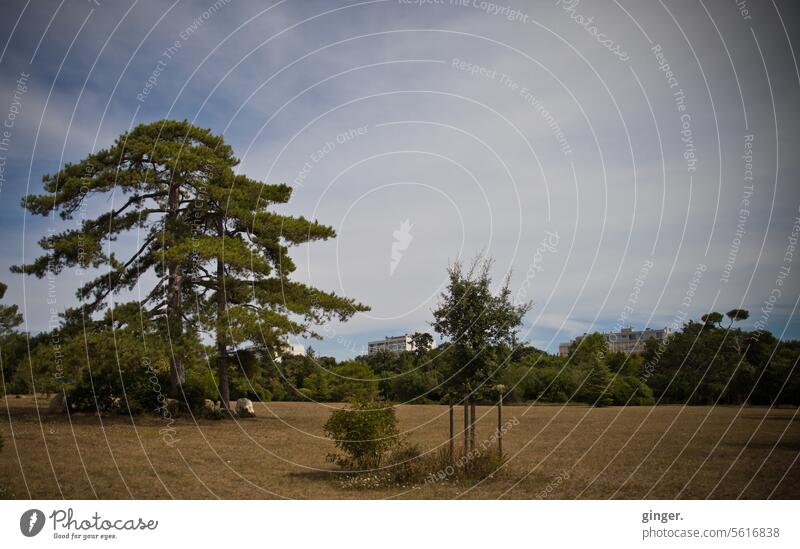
[(353, 380), (597, 386), (735, 315), (589, 359), (712, 319), (422, 342), (9, 315), (12, 343), (317, 385), (589, 349)]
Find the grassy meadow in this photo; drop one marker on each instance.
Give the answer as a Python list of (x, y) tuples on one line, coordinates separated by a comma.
[(556, 452)]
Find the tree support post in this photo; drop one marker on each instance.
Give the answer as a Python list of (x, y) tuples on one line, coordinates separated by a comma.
[(500, 424), (473, 421), (466, 426)]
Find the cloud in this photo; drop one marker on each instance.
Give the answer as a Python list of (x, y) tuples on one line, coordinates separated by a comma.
[(482, 132)]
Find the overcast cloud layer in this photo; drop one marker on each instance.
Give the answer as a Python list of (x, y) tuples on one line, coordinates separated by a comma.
[(616, 192)]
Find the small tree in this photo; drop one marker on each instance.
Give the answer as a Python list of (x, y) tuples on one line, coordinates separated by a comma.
[(474, 319), (422, 343), (590, 356), (597, 387), (476, 322), (365, 432)]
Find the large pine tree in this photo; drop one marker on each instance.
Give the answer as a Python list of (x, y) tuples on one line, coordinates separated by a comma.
[(242, 270), (220, 257)]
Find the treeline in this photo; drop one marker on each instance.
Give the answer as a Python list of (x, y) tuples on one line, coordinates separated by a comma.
[(121, 363), (218, 304)]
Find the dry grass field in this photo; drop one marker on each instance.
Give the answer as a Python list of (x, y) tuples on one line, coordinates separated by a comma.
[(554, 452)]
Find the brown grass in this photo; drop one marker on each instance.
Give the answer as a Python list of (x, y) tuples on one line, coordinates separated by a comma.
[(556, 452)]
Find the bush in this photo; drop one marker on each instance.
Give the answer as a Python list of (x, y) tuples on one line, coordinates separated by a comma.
[(199, 385), (364, 432), (102, 391), (631, 391)]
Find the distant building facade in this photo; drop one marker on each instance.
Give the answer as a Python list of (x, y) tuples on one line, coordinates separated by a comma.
[(393, 344), (291, 349), (626, 340), (295, 349)]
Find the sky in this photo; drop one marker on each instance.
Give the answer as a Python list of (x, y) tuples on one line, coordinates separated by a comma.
[(627, 163)]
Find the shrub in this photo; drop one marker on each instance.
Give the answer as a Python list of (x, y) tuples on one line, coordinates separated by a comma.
[(631, 391), (364, 432), (199, 385)]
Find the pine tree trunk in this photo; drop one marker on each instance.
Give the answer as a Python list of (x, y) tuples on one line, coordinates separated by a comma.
[(173, 300), (222, 350)]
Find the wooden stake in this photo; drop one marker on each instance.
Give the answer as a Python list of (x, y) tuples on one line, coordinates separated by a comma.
[(466, 426), (473, 438), (500, 424)]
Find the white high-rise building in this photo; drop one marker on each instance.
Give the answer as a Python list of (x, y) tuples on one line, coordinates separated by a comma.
[(626, 340), (394, 344)]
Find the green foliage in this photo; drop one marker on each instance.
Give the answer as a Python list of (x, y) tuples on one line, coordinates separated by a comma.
[(735, 315), (422, 342), (9, 315), (589, 350), (364, 432), (630, 391), (210, 236), (477, 323), (712, 319), (354, 380), (597, 384)]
